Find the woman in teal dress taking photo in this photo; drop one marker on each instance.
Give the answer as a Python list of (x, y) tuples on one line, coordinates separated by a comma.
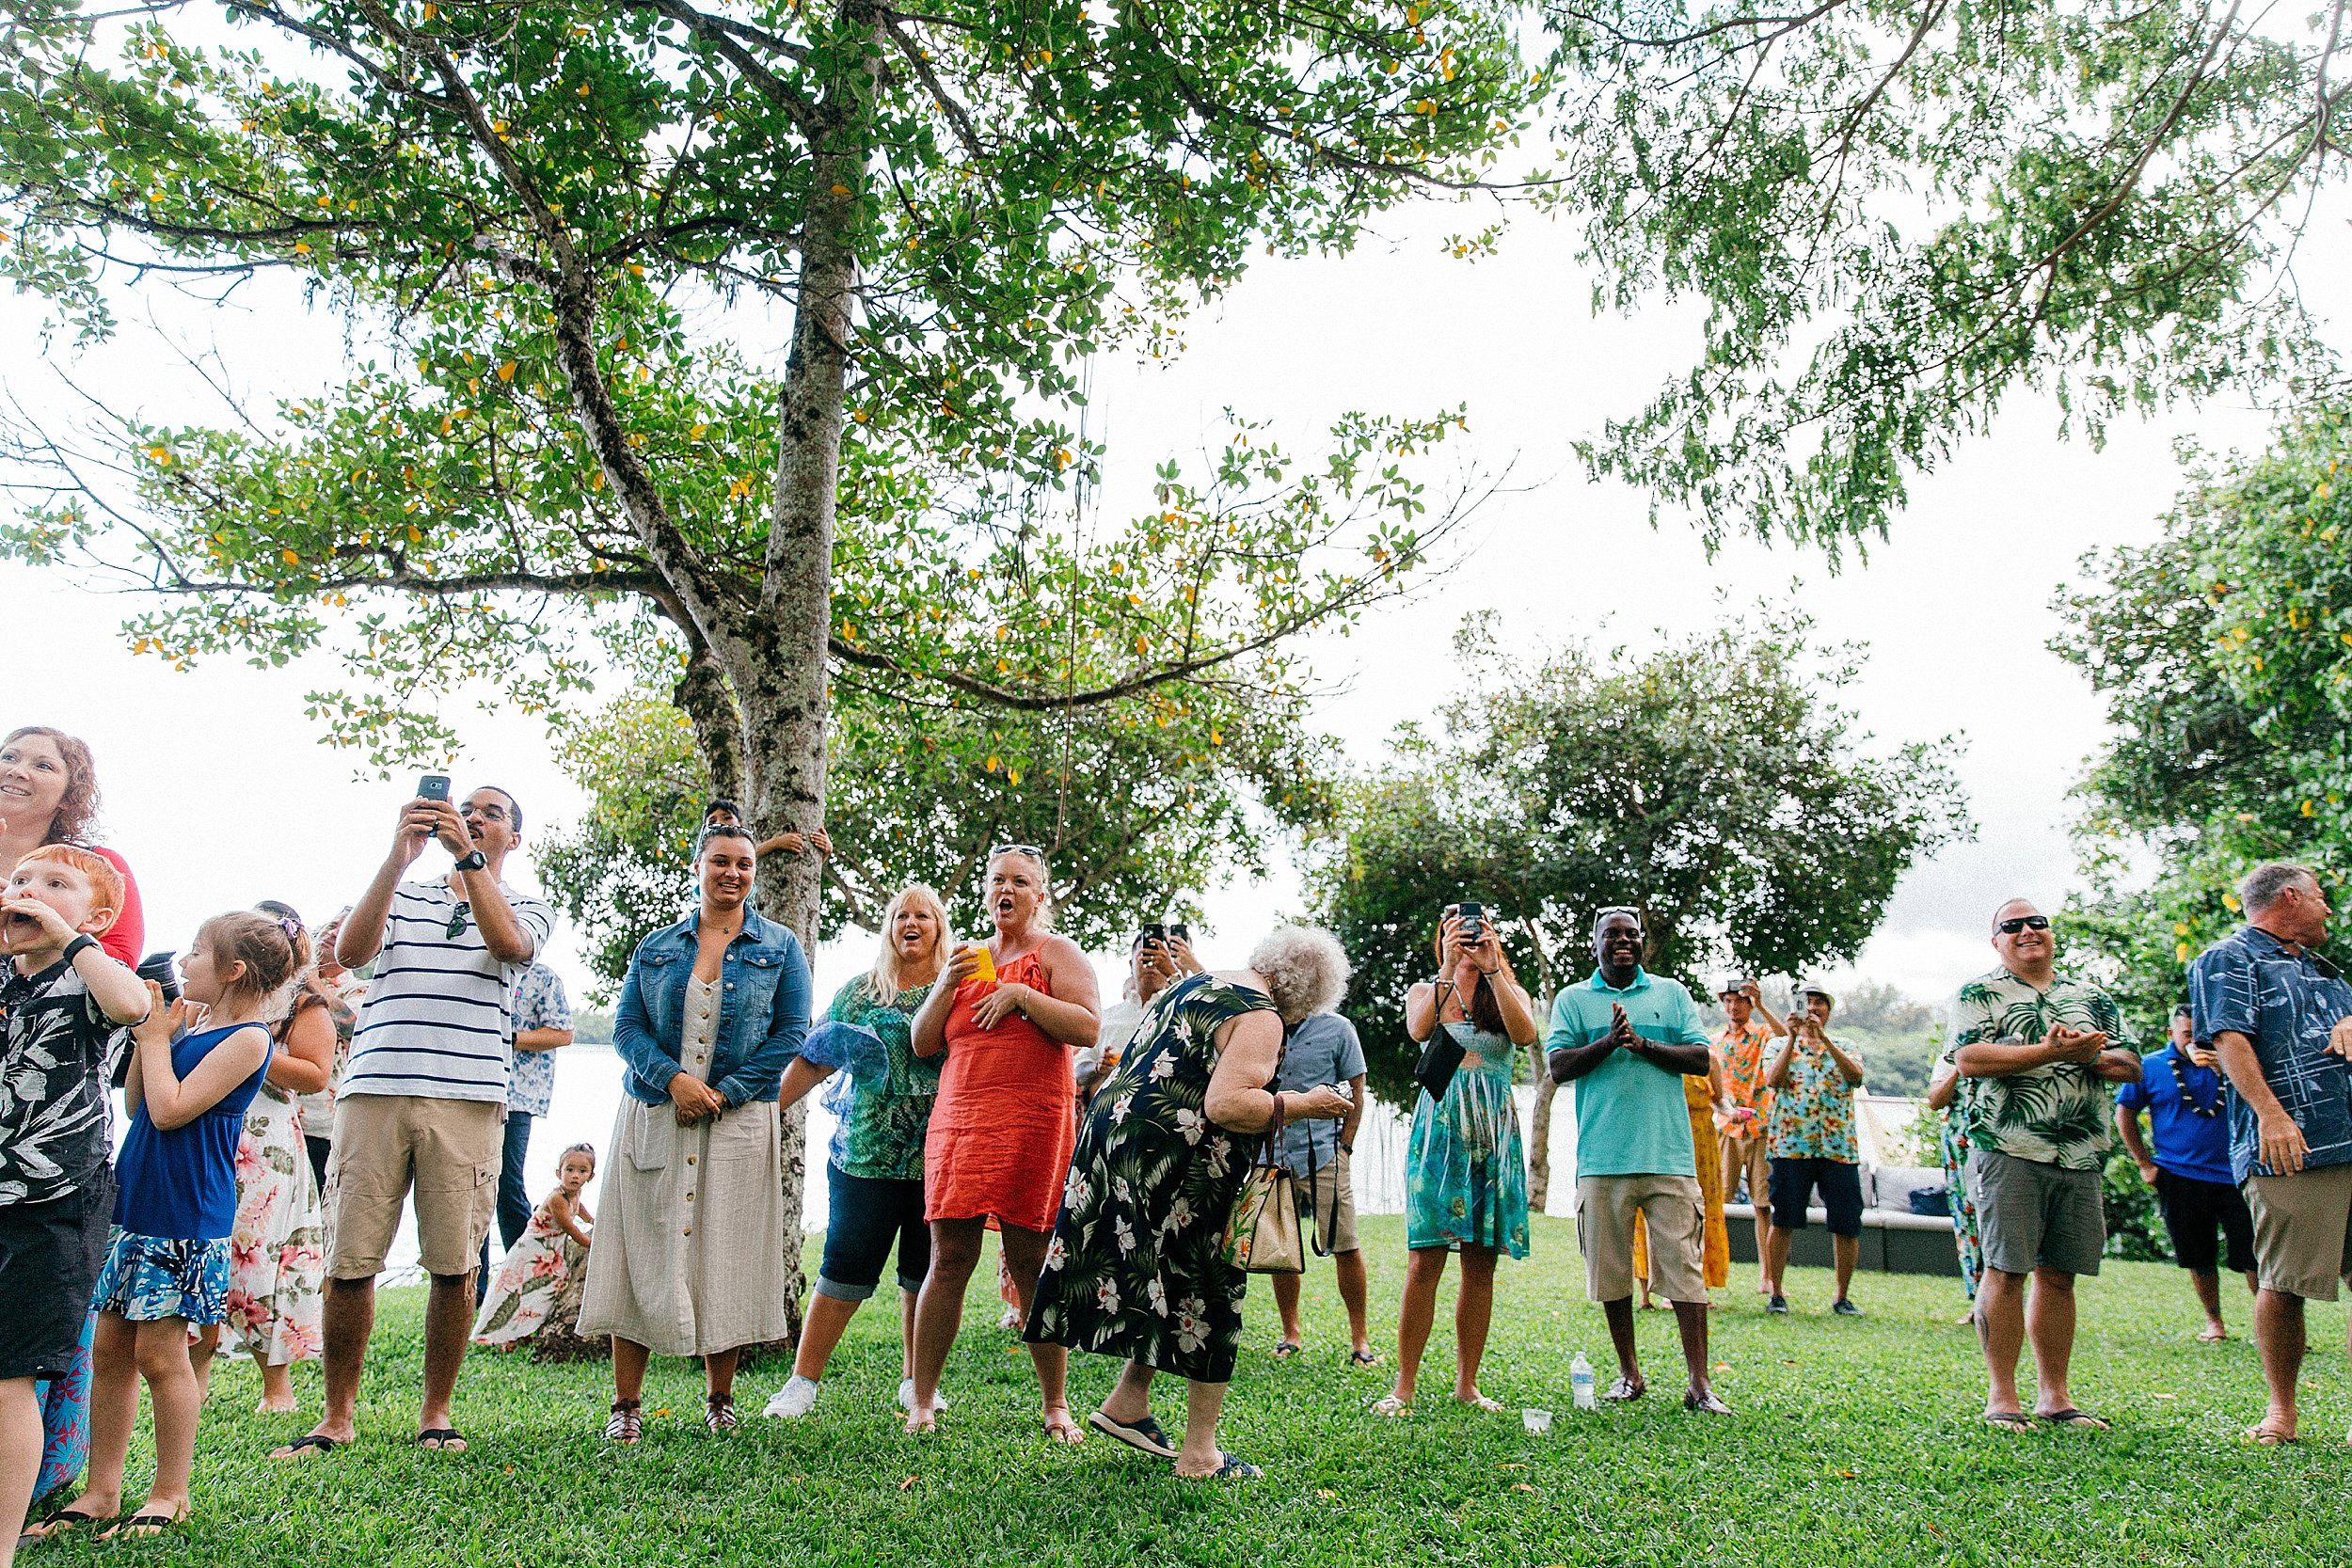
[(1465, 1172)]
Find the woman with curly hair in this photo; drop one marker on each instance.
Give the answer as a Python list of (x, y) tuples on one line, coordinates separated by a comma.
[(49, 795)]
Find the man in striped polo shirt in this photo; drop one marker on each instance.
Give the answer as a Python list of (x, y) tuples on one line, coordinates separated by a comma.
[(422, 1101)]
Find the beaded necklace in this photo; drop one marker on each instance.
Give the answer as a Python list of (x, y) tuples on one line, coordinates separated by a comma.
[(2181, 1078)]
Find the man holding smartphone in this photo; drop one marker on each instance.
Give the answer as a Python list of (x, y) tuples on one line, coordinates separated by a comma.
[(1323, 1049), (422, 1102), (1749, 1027)]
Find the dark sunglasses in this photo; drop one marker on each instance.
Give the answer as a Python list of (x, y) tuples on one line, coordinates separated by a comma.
[(2025, 923), (1030, 849), (457, 921)]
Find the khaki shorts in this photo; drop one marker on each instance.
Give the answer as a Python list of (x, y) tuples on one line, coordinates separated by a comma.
[(1334, 1206), (448, 1149), (2303, 1230), (1746, 1157), (1669, 1205)]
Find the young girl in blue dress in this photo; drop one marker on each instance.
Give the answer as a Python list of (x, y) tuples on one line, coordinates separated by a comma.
[(166, 1267)]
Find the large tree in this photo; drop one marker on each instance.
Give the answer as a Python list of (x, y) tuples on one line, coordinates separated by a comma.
[(2223, 652), (534, 210), (1715, 784)]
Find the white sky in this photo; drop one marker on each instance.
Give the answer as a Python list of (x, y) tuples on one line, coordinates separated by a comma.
[(218, 794)]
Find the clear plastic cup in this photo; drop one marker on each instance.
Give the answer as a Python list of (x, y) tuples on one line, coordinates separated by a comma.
[(1536, 1420)]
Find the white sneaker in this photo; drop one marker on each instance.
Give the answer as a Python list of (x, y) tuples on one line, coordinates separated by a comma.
[(795, 1399), (906, 1396)]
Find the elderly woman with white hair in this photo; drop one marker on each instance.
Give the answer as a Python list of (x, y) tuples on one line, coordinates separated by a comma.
[(1135, 1267)]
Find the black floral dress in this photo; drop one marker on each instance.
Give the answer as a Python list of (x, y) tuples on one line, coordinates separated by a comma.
[(1135, 1268)]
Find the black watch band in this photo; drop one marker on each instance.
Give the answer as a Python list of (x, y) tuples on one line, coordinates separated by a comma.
[(473, 860), (73, 949)]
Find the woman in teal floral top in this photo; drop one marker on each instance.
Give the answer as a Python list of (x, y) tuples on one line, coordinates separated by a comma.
[(1137, 1265), (875, 1172)]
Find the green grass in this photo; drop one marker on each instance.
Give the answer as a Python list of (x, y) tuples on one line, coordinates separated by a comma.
[(1854, 1443)]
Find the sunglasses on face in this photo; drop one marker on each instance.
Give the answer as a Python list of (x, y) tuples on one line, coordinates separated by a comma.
[(2025, 923)]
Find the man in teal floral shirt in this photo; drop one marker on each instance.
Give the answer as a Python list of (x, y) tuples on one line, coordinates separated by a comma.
[(2040, 1049)]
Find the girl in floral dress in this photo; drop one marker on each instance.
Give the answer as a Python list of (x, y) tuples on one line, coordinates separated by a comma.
[(552, 1248), (277, 1252)]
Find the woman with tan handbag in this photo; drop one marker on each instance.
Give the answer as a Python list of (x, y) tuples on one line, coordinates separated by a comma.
[(1136, 1267)]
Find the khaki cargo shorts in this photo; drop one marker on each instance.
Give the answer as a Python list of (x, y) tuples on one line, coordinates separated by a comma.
[(1669, 1207), (1333, 1202), (449, 1150)]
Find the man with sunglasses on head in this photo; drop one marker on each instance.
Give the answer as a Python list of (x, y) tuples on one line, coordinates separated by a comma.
[(422, 1100), (2041, 1048)]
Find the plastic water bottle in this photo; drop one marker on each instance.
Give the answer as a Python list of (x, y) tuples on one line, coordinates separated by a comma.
[(1581, 1381)]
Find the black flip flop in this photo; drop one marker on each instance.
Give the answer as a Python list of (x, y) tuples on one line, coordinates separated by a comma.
[(2010, 1420), (2081, 1420), (438, 1440), (58, 1522), (144, 1526), (1144, 1433), (294, 1450)]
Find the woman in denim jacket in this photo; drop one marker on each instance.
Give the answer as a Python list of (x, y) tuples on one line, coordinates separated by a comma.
[(689, 1257)]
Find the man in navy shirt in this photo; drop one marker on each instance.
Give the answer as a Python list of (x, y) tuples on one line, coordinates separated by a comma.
[(2279, 1017), (2181, 1089)]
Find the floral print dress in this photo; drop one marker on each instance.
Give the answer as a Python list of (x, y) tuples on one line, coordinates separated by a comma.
[(529, 1278), (1965, 1237), (1136, 1266), (277, 1252), (1464, 1173)]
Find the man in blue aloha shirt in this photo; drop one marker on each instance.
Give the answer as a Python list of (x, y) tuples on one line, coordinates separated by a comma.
[(2279, 1017)]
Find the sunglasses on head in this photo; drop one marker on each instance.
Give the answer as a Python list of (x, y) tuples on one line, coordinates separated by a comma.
[(1030, 849), (2025, 923)]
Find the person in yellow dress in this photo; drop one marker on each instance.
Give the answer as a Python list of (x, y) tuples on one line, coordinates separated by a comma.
[(1707, 1099)]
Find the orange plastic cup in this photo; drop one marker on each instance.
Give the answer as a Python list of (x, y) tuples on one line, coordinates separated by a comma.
[(987, 971)]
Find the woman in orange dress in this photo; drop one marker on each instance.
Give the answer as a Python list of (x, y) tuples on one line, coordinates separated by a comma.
[(1002, 1129), (1704, 1097)]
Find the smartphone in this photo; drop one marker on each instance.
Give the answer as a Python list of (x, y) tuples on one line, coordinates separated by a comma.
[(1181, 932), (432, 786), (1473, 921), (1154, 935)]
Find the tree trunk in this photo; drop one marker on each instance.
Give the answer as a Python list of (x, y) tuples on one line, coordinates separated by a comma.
[(782, 692), (1539, 1140)]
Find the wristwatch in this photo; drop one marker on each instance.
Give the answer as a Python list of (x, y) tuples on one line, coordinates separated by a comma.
[(73, 948), (472, 860)]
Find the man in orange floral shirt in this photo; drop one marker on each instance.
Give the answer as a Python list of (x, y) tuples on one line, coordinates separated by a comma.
[(1748, 1106)]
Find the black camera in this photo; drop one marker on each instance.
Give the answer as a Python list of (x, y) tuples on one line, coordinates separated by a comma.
[(159, 967)]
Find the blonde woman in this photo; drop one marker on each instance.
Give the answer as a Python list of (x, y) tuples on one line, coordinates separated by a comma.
[(875, 1170), (1000, 1136)]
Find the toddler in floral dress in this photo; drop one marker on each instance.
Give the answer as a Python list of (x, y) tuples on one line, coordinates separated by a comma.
[(551, 1248)]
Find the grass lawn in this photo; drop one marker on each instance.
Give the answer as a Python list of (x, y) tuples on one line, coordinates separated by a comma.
[(1854, 1443)]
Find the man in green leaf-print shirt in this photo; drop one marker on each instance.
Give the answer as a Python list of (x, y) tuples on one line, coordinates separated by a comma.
[(2039, 1049)]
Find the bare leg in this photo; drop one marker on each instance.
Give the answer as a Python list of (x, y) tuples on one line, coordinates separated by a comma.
[(277, 1395), (1024, 1258), (2050, 1323), (114, 1413), (906, 1331), (201, 1350), (1620, 1315), (163, 1359), (1286, 1303), (20, 1443), (629, 1371), (2278, 1332), (1355, 1294), (346, 1320), (1690, 1321), (1130, 1399), (939, 1313), (719, 1372), (448, 1324), (1763, 1254), (1777, 1258), (1424, 1268), (2208, 1289), (1198, 1455), (828, 1318), (1473, 1312), (1846, 1251), (2001, 1330)]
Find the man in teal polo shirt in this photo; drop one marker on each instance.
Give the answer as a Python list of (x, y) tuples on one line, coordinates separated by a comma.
[(1625, 1039)]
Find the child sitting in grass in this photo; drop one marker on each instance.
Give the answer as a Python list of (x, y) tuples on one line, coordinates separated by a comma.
[(548, 1252), (167, 1265), (64, 999)]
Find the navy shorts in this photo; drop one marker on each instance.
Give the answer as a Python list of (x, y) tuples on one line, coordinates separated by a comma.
[(868, 1215), (1792, 1186), (49, 1258)]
